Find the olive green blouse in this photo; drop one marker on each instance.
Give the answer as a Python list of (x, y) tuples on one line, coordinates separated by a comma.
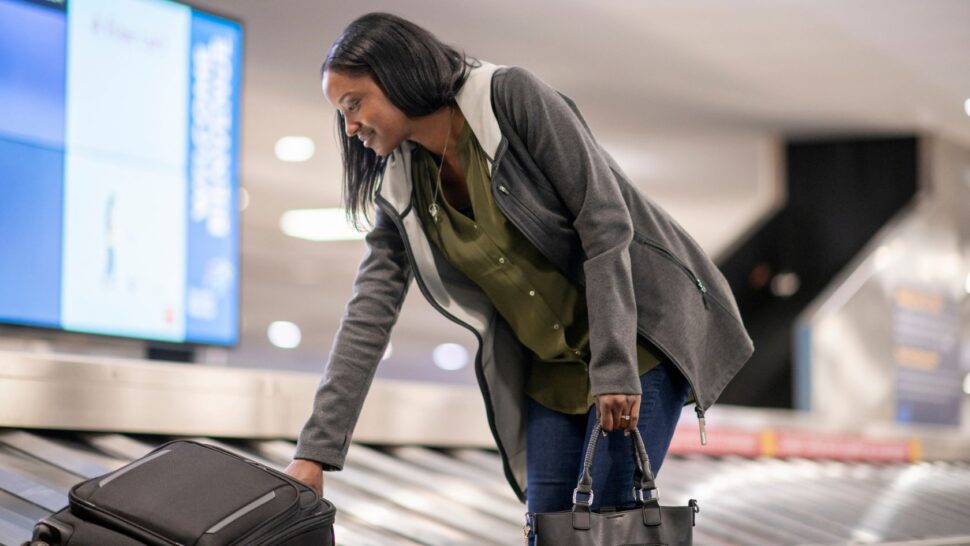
[(545, 310)]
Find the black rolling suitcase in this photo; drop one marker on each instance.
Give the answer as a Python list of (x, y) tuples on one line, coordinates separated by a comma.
[(188, 493)]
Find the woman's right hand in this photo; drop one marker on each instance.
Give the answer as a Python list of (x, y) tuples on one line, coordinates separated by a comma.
[(308, 472)]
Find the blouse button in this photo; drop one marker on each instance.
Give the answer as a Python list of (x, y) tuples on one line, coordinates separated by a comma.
[(501, 260), (555, 326), (532, 292)]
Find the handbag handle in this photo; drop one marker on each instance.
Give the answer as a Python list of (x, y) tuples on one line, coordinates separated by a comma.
[(642, 474)]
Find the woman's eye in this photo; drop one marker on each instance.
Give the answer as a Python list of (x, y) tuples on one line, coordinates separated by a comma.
[(354, 106)]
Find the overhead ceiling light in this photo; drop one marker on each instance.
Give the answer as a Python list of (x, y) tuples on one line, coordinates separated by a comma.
[(243, 199), (966, 284), (294, 148), (319, 225), (784, 285), (966, 106), (450, 356), (883, 257), (284, 334), (865, 537)]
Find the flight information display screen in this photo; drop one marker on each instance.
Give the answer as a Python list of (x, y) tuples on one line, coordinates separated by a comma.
[(119, 147)]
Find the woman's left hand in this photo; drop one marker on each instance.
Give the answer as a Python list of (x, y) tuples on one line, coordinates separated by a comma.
[(611, 407)]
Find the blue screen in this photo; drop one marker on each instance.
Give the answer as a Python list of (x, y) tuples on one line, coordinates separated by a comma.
[(119, 146)]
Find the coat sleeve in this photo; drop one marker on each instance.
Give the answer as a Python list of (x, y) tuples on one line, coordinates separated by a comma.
[(382, 282), (564, 149)]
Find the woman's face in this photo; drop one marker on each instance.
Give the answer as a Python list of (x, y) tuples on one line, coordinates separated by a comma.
[(368, 114)]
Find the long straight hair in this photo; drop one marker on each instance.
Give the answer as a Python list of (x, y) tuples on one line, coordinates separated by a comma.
[(418, 73)]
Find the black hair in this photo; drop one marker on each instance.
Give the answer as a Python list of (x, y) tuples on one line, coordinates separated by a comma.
[(418, 73)]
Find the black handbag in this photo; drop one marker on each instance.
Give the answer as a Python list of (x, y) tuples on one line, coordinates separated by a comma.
[(646, 524)]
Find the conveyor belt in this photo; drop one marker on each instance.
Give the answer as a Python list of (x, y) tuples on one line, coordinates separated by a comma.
[(413, 495)]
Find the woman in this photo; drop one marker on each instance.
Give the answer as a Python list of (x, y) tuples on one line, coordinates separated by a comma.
[(589, 302)]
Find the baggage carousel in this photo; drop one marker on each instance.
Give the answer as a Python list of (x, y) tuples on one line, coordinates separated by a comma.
[(409, 495)]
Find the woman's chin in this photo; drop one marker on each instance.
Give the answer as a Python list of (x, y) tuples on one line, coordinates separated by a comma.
[(370, 146), (380, 150)]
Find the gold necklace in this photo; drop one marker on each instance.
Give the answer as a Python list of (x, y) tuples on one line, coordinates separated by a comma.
[(433, 208)]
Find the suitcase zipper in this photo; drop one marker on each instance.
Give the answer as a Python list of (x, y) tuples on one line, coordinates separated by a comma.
[(322, 521), (267, 532), (85, 508)]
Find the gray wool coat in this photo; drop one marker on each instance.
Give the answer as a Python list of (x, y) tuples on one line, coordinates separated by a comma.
[(641, 272)]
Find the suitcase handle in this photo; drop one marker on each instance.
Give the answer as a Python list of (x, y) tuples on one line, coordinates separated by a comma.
[(50, 531)]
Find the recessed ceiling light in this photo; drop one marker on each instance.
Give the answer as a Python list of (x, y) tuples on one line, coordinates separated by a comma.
[(883, 257), (243, 199), (784, 285), (284, 334), (450, 356), (294, 148), (319, 225), (966, 106)]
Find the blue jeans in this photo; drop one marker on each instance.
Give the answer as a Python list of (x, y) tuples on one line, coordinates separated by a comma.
[(556, 443)]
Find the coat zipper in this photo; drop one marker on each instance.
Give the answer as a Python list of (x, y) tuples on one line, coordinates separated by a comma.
[(489, 412), (694, 279), (701, 420), (524, 233), (698, 410), (701, 424)]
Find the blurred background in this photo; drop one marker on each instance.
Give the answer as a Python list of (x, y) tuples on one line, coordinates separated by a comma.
[(174, 260)]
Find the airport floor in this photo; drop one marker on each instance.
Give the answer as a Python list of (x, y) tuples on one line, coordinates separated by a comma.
[(416, 495)]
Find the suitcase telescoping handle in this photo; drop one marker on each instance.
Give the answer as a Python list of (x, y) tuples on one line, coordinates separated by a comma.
[(48, 532)]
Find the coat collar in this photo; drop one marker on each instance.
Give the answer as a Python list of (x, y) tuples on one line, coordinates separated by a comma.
[(475, 102)]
